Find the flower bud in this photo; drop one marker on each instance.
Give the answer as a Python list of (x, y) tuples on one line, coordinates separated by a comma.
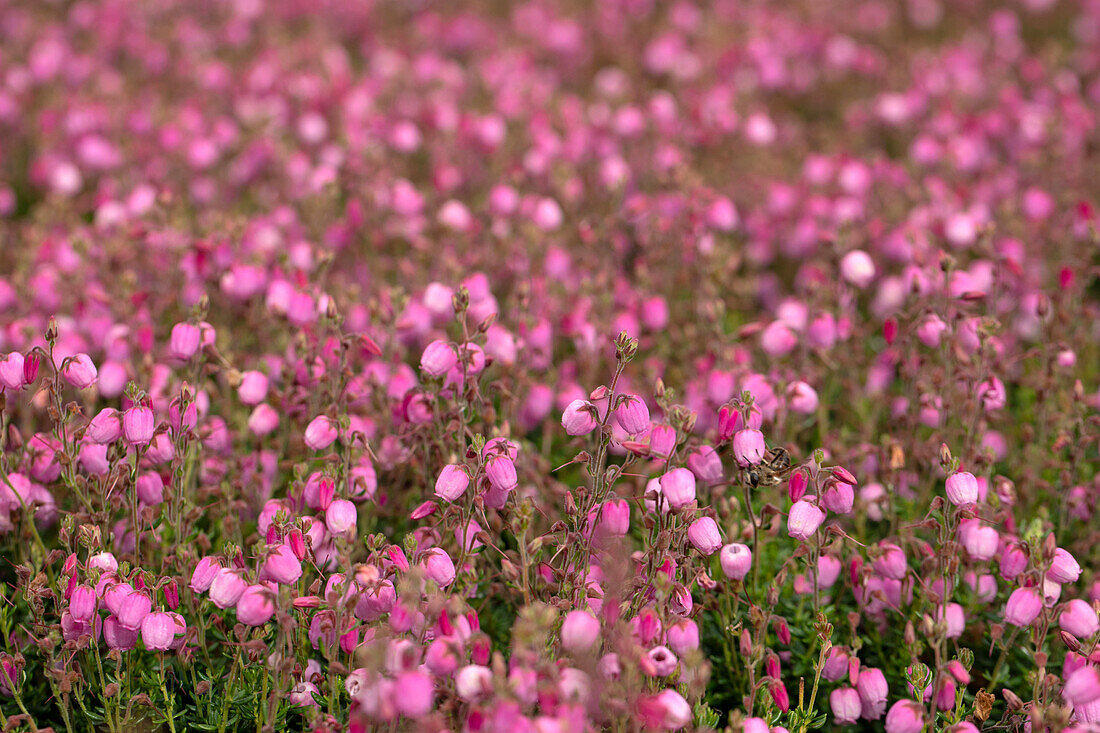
[(474, 682)]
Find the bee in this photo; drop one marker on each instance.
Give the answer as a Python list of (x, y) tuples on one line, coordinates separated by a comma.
[(775, 466)]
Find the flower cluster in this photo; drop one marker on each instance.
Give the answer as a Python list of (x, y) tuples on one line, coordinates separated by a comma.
[(557, 366)]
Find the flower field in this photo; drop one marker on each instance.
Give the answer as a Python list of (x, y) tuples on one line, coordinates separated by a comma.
[(549, 366)]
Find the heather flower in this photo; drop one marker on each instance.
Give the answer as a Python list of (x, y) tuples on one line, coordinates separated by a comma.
[(438, 358), (205, 572), (1064, 567), (255, 606), (579, 418), (439, 567), (341, 517), (474, 682), (678, 487), (184, 341), (320, 433), (1023, 607), (845, 704), (133, 609), (1079, 618), (1082, 686), (158, 630), (579, 631), (736, 560), (748, 447), (226, 588), (632, 414), (704, 535), (501, 472), (452, 482), (803, 520), (11, 371), (117, 636), (872, 690), (962, 488), (905, 716), (80, 372), (283, 566)]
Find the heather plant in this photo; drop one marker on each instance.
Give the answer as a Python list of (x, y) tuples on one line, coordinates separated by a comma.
[(550, 366)]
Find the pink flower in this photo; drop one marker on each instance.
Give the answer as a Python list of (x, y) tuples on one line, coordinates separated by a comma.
[(341, 517), (184, 341), (226, 588), (872, 690), (962, 488), (159, 630), (857, 268), (579, 631), (452, 482), (678, 487), (736, 561), (905, 716), (748, 447), (11, 371), (439, 567), (320, 433), (579, 418), (1078, 618), (845, 705), (501, 472), (80, 372), (1023, 607), (138, 424), (256, 605), (283, 566), (632, 414), (474, 682), (704, 535), (803, 520), (439, 357), (105, 427)]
